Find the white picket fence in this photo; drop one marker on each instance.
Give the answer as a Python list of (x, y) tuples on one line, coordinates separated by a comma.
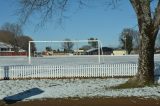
[(64, 71)]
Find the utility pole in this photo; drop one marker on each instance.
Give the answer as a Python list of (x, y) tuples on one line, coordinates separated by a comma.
[(125, 37)]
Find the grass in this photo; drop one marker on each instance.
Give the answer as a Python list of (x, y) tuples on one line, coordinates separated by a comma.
[(133, 84)]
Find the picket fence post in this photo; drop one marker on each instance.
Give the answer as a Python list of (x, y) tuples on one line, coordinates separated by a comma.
[(59, 71)]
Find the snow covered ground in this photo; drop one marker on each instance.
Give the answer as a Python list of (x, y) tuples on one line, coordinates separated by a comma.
[(64, 88), (71, 60)]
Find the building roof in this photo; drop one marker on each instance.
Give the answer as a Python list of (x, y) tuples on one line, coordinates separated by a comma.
[(92, 49), (5, 45), (119, 50), (103, 48), (78, 50)]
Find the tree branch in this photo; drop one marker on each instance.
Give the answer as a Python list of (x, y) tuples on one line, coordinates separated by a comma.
[(45, 8), (156, 20), (143, 12), (138, 10)]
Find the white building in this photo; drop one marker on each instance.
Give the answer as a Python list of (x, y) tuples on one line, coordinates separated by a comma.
[(4, 47)]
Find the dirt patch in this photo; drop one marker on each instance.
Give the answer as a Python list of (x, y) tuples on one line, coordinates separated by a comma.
[(131, 101)]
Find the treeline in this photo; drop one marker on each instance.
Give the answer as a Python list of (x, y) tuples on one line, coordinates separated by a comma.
[(68, 45), (12, 34)]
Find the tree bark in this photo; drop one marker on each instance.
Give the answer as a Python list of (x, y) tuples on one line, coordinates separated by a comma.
[(148, 33), (145, 73)]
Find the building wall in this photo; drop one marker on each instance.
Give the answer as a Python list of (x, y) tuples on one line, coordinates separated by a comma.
[(13, 53), (119, 52), (96, 53)]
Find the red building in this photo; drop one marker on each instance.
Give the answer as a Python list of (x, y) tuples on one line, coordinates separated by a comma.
[(7, 50)]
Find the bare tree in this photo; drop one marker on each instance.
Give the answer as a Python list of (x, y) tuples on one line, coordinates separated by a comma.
[(67, 45), (126, 40), (6, 36), (129, 39), (13, 27), (46, 9), (92, 42), (148, 24), (49, 48), (148, 27), (16, 31), (23, 43), (157, 46), (136, 39)]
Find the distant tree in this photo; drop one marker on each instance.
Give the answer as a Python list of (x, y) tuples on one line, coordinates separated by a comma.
[(12, 27), (58, 50), (86, 47), (92, 42), (129, 39), (136, 38), (67, 45), (157, 46), (23, 43), (48, 48), (6, 37), (16, 31)]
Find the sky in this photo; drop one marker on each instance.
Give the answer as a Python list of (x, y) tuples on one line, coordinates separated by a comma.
[(100, 22)]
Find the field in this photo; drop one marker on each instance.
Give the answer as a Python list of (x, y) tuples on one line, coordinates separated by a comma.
[(69, 90), (71, 60), (39, 89)]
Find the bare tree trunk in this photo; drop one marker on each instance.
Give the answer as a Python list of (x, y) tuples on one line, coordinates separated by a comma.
[(148, 29), (145, 73)]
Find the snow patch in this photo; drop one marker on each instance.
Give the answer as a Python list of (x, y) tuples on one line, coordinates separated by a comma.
[(64, 88)]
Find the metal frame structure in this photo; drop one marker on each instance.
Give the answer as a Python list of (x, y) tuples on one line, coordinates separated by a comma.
[(99, 47)]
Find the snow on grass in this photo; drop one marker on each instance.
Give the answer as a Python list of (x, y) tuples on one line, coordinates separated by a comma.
[(64, 88), (67, 60), (89, 59)]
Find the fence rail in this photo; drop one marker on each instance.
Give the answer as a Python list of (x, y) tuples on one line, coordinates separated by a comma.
[(60, 71), (64, 71)]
